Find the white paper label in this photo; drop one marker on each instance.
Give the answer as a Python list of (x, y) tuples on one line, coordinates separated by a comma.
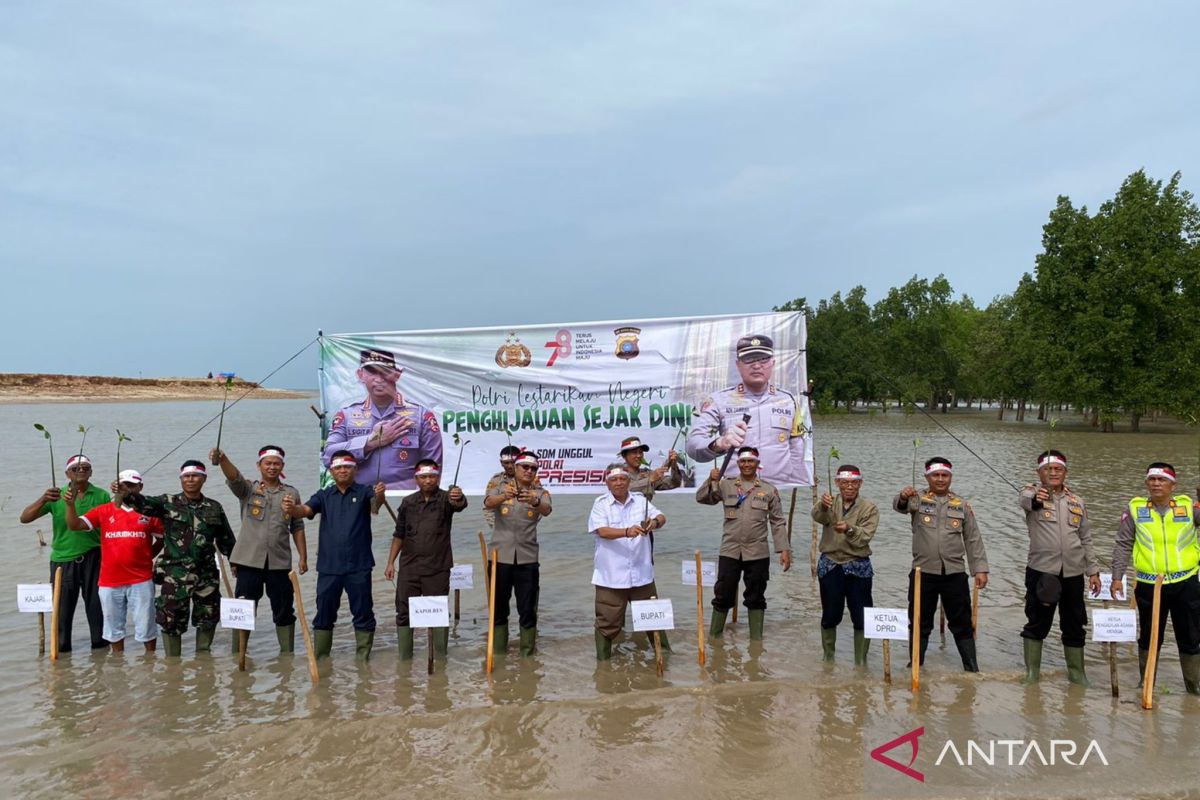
[(35, 597), (462, 576), (1114, 625), (708, 573), (429, 612), (885, 623), (1106, 587), (653, 615), (237, 614)]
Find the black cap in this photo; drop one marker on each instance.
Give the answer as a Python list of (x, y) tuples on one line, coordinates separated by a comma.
[(377, 358), (755, 348)]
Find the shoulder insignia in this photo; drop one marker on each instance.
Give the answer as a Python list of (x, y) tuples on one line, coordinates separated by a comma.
[(338, 419)]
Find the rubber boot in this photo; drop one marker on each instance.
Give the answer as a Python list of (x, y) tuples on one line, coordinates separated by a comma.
[(924, 651), (828, 643), (1143, 657), (528, 641), (1075, 673), (861, 645), (662, 641), (204, 640), (716, 628), (234, 643), (966, 649), (286, 634), (500, 640), (172, 645), (1033, 661), (756, 617), (1191, 672), (363, 642), (322, 642), (404, 642), (441, 641), (603, 647)]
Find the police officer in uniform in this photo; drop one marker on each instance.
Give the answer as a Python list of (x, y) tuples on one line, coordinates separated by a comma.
[(778, 420), (1159, 531), (944, 533), (642, 479), (384, 428), (1060, 554), (507, 473), (751, 505)]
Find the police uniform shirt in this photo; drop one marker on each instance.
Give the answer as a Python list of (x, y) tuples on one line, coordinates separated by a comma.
[(1060, 537), (945, 534), (344, 538), (776, 427), (749, 508), (264, 541), (500, 479), (515, 534), (423, 526), (394, 462)]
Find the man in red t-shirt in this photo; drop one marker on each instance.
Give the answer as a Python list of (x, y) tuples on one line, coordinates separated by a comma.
[(128, 543)]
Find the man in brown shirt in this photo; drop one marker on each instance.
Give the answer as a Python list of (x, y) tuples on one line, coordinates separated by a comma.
[(422, 540), (751, 505), (519, 506), (642, 479), (945, 537), (844, 569)]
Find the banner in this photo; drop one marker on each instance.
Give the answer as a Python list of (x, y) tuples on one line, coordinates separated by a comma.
[(571, 393)]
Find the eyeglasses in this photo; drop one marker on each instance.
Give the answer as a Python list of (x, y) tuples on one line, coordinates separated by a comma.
[(84, 468), (526, 466)]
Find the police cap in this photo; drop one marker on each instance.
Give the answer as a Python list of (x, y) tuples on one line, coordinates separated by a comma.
[(755, 348)]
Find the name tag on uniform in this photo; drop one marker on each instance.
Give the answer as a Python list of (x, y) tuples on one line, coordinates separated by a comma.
[(1143, 514)]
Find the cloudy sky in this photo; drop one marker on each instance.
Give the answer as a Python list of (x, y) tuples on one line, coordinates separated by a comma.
[(200, 186)]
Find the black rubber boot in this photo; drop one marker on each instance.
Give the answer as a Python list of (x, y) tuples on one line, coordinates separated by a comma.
[(924, 650), (966, 649), (1191, 672)]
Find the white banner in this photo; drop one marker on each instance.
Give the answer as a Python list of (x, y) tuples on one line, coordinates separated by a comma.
[(653, 615), (35, 597), (885, 623), (571, 393), (429, 612), (708, 573), (462, 576), (237, 614), (1111, 625)]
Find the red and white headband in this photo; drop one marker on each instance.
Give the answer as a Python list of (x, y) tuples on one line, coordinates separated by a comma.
[(1160, 472), (938, 466), (343, 461), (1051, 459), (79, 459), (528, 459), (428, 469), (615, 472), (848, 475), (270, 451), (192, 469)]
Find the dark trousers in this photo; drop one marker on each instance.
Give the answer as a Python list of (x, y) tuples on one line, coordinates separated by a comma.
[(357, 586), (250, 584), (1072, 614), (522, 580), (80, 577), (839, 590), (1182, 601), (955, 596), (730, 571), (410, 583)]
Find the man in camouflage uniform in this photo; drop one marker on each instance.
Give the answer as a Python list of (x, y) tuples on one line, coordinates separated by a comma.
[(642, 479), (508, 455), (195, 527), (386, 435), (777, 426)]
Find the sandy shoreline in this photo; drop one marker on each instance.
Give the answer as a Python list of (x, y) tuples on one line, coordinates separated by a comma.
[(17, 387)]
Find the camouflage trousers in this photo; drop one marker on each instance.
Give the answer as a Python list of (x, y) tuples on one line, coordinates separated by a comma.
[(183, 593)]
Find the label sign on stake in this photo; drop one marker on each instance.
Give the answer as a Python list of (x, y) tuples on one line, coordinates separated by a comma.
[(429, 612), (885, 623), (653, 615), (35, 597), (1106, 588), (237, 614), (1114, 625), (708, 574), (462, 576)]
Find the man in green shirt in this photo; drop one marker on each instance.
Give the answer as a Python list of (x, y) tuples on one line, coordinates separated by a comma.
[(77, 554)]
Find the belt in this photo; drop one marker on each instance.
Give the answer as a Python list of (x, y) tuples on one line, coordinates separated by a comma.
[(1168, 577)]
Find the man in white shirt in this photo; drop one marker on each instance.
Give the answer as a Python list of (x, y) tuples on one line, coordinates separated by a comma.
[(623, 524)]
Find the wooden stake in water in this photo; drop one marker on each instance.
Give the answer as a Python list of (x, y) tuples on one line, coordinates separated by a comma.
[(41, 633), (491, 637), (429, 647), (700, 607), (812, 550), (658, 656), (225, 575), (975, 611), (887, 661), (308, 643), (483, 553), (243, 640), (456, 592), (916, 630), (54, 614), (1152, 658)]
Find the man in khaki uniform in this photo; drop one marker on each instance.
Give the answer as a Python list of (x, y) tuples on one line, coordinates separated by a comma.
[(750, 505), (642, 479), (1060, 554), (507, 473), (945, 537), (519, 505), (844, 569)]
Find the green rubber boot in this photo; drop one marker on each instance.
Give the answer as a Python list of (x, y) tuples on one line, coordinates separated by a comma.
[(756, 617), (441, 641), (528, 641), (1075, 673), (363, 642), (828, 642), (1143, 657), (500, 640), (204, 640), (716, 628), (603, 647), (1033, 661), (172, 645), (235, 641), (404, 642), (1191, 672), (662, 641), (286, 634), (861, 645), (322, 642)]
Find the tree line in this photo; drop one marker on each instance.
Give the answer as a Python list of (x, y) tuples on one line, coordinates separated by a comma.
[(1108, 323)]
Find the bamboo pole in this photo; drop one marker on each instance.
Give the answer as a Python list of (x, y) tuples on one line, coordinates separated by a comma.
[(491, 637), (916, 630), (243, 638), (700, 602), (54, 614), (887, 661), (975, 612), (225, 575), (658, 656), (1152, 658), (308, 642), (483, 552), (812, 551), (41, 633)]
